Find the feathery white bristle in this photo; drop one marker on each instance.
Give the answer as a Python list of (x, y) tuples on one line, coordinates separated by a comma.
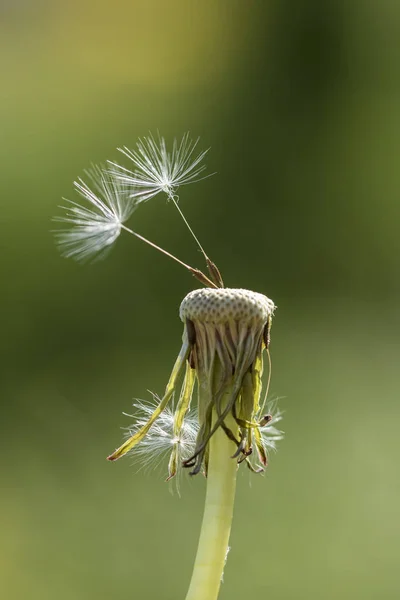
[(95, 227), (160, 441), (270, 433), (157, 445), (157, 170)]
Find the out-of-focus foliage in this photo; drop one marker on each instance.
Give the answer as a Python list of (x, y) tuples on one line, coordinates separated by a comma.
[(300, 105)]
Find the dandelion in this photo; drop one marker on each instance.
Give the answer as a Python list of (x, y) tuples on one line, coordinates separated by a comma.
[(225, 333)]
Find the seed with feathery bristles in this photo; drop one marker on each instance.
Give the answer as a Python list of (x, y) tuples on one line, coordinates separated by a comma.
[(95, 225), (161, 441), (156, 170)]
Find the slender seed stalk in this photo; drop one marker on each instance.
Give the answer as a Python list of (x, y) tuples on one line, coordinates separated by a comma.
[(217, 520), (212, 267), (178, 208), (195, 272)]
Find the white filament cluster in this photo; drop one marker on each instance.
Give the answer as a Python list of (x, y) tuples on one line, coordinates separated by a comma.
[(157, 445), (157, 170), (270, 433), (160, 440), (96, 224), (113, 195)]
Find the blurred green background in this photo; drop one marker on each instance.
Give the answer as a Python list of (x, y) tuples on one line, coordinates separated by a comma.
[(299, 102)]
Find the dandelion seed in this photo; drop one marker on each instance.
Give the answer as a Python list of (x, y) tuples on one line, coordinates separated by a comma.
[(94, 228), (157, 170), (161, 439), (270, 433), (97, 224)]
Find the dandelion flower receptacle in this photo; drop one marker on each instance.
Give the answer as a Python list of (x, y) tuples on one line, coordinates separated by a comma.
[(225, 333)]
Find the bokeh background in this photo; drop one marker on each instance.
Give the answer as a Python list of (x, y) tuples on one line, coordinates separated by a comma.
[(299, 102)]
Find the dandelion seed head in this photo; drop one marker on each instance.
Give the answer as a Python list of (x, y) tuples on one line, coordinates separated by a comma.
[(96, 224), (157, 170)]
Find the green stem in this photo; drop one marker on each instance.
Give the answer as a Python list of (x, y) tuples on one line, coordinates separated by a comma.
[(217, 519)]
